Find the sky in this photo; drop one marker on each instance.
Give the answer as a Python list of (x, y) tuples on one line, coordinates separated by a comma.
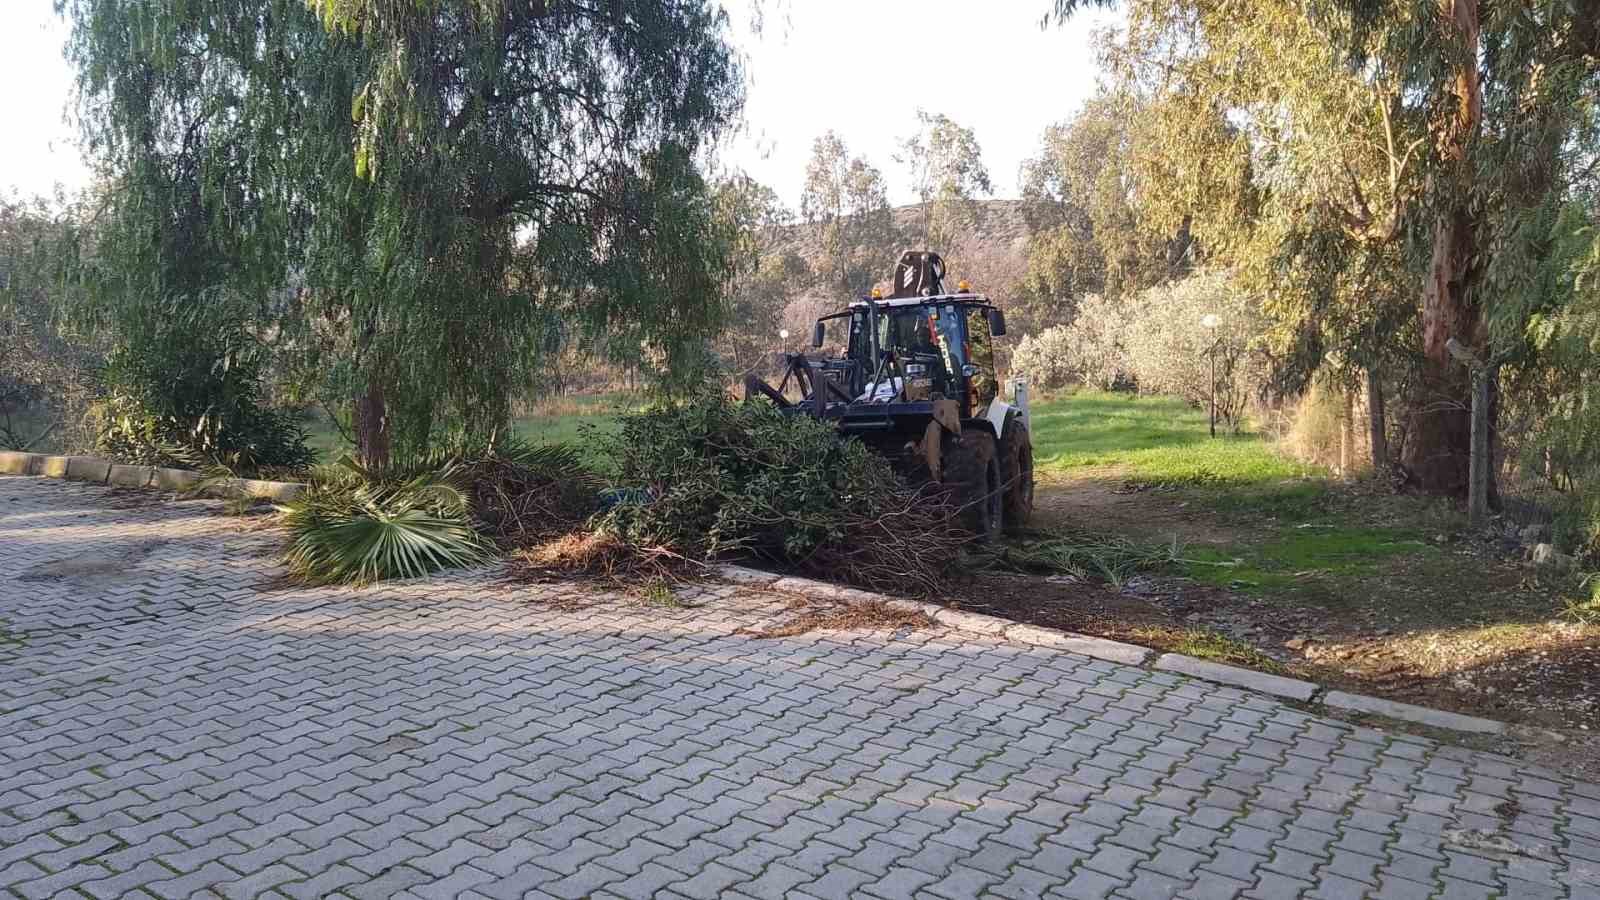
[(37, 149), (864, 67), (860, 67)]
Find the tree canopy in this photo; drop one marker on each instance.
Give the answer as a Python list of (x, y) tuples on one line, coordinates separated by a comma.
[(419, 201), (1391, 171), (947, 171), (846, 199)]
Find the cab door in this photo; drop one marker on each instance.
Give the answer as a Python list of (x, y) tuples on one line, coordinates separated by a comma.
[(983, 381)]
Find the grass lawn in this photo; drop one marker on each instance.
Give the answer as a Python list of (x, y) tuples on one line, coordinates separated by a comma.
[(1155, 439), (1291, 520), (573, 420), (1163, 443), (1281, 566)]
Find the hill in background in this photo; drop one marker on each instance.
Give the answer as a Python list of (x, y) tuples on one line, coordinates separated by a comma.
[(992, 255)]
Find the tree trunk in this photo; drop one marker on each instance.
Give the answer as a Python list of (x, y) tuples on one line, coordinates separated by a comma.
[(1439, 450), (1492, 446), (1377, 421), (372, 427)]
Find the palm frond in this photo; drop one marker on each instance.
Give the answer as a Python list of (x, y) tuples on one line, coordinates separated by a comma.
[(348, 530), (356, 524)]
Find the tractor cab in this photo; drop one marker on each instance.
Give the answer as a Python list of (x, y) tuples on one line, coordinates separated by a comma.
[(918, 348), (917, 382), (919, 344)]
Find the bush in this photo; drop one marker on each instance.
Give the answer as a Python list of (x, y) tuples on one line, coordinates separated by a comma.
[(1042, 359), (1088, 351), (448, 509), (1169, 351), (1317, 430), (171, 388), (249, 440), (726, 478)]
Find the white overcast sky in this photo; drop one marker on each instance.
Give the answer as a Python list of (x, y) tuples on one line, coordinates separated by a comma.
[(860, 67)]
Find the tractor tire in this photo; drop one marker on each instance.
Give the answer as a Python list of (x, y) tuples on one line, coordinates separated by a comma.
[(1016, 473), (972, 471)]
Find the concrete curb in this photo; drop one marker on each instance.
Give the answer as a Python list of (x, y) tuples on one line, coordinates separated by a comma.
[(1389, 709), (103, 471), (1245, 678), (959, 620), (1128, 654)]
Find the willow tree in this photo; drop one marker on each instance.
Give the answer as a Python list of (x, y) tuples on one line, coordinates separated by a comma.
[(185, 254), (437, 194)]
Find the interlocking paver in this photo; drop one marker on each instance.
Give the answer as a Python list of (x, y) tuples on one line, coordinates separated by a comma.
[(177, 720)]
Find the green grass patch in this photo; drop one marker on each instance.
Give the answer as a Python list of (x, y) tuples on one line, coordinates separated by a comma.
[(1303, 558), (567, 420), (1162, 443), (1156, 440), (565, 428)]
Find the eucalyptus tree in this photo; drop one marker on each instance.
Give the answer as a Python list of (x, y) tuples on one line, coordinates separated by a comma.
[(1428, 137), (434, 196), (1082, 203), (846, 200), (946, 167), (768, 274), (1508, 93)]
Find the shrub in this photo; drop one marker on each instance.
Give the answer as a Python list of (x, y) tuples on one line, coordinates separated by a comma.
[(1088, 351), (1169, 351), (1097, 342), (447, 509), (725, 478), (1042, 359), (1576, 526), (1317, 430), (247, 438), (174, 387), (350, 526)]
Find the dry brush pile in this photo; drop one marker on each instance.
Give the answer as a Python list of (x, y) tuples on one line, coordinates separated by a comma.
[(699, 481), (741, 479)]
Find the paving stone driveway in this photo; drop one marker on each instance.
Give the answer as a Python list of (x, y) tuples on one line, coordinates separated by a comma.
[(173, 723)]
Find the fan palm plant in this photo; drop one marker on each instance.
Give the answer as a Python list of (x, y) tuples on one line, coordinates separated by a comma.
[(356, 526)]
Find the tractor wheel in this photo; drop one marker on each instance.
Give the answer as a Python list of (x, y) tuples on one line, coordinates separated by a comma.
[(972, 470), (1016, 472)]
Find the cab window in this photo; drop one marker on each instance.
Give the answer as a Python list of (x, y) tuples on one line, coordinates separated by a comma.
[(980, 355)]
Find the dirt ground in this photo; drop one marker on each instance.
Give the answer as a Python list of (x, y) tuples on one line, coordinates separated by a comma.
[(1467, 627)]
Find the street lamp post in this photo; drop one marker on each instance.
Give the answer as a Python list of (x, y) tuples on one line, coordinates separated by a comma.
[(1209, 321)]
